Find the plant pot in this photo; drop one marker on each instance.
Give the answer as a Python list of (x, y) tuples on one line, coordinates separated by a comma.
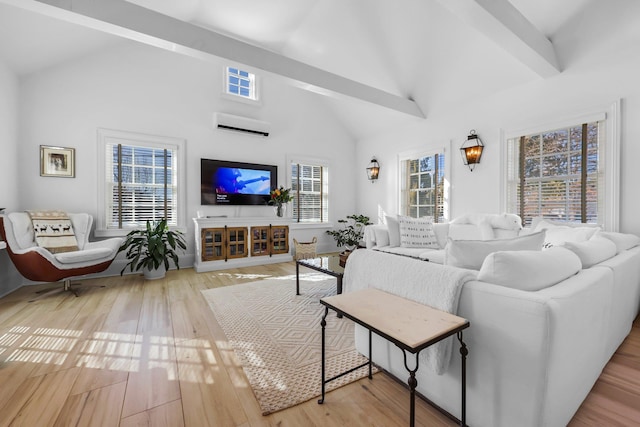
[(154, 274), (343, 257)]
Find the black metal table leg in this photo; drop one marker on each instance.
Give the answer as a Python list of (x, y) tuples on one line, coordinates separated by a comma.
[(413, 383), (323, 323), (297, 278), (370, 357), (463, 354)]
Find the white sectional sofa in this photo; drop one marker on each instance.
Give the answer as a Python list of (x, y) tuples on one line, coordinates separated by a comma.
[(543, 323)]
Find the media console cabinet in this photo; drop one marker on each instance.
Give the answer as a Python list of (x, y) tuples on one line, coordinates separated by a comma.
[(223, 243)]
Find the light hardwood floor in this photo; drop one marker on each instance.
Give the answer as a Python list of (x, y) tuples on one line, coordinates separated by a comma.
[(129, 352)]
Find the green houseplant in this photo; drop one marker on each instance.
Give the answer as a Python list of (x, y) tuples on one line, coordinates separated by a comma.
[(351, 231), (151, 248)]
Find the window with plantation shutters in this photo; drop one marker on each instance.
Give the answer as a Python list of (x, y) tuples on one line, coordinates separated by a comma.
[(558, 174), (309, 185), (141, 180), (423, 190)]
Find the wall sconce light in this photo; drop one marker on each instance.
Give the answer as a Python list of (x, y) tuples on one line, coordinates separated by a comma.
[(471, 150), (373, 170)]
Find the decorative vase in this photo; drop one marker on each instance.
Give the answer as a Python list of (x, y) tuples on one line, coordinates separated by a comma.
[(280, 209)]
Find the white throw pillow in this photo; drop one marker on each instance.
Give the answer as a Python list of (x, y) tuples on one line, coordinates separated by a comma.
[(471, 253), (441, 231), (557, 235), (593, 251), (381, 234), (394, 231), (623, 241), (529, 270), (465, 232), (540, 222), (22, 229), (417, 232)]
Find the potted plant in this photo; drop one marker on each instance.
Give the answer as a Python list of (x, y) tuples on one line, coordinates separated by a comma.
[(151, 249), (350, 233)]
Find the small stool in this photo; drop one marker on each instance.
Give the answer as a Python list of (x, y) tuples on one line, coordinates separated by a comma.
[(305, 250)]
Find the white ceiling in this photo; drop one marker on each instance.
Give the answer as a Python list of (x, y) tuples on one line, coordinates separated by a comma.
[(415, 49)]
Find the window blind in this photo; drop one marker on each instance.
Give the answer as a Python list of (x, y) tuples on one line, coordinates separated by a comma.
[(556, 174), (423, 192), (310, 190), (141, 185)]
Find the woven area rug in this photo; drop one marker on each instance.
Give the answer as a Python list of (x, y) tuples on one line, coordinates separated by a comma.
[(277, 337)]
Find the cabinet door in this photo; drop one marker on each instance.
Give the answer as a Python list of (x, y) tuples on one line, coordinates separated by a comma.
[(212, 244), (259, 241), (279, 239), (237, 242)]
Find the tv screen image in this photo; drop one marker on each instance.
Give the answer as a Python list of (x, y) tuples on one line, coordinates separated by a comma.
[(236, 183)]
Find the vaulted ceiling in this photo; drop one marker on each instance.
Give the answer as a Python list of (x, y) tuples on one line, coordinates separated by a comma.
[(381, 62)]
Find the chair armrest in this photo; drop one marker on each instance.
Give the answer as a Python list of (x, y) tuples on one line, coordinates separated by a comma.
[(42, 251), (113, 244)]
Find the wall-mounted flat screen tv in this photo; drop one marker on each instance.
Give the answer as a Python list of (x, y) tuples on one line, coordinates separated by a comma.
[(236, 183)]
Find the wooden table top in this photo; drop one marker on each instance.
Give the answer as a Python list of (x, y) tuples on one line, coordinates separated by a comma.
[(410, 323)]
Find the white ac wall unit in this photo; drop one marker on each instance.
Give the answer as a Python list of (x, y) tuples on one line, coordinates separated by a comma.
[(240, 124)]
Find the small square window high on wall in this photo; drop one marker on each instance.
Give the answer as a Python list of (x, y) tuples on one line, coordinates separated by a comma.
[(240, 83)]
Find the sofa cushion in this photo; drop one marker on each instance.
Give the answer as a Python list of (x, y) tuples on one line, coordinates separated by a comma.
[(400, 251), (529, 270), (417, 232), (556, 236), (622, 241), (471, 253), (593, 251), (536, 220), (394, 231), (559, 234), (84, 256), (433, 255)]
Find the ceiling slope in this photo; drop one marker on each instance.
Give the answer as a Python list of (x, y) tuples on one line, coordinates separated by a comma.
[(501, 22), (147, 26)]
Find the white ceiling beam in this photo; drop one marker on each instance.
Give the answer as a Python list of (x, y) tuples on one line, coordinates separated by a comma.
[(128, 20), (501, 22)]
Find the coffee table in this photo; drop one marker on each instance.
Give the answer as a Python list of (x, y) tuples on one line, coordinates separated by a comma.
[(409, 325), (329, 264)]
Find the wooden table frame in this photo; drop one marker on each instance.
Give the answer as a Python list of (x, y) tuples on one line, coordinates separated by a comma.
[(385, 306)]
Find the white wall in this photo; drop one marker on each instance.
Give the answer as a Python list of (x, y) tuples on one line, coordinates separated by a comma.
[(8, 137), (143, 89), (9, 278), (601, 65)]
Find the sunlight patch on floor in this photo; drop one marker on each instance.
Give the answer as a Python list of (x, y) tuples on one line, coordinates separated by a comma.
[(234, 367), (243, 276), (310, 277), (113, 351)]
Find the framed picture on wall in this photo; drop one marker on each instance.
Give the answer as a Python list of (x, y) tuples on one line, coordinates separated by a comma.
[(57, 161)]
